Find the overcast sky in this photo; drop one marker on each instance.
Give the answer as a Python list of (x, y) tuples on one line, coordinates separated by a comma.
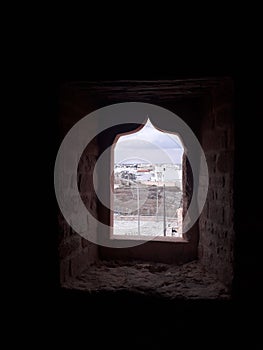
[(149, 145)]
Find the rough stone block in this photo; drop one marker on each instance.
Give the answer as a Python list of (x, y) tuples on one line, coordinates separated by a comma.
[(64, 271), (228, 215), (214, 140), (216, 213), (225, 162), (84, 242), (217, 181), (80, 262), (224, 116), (69, 246)]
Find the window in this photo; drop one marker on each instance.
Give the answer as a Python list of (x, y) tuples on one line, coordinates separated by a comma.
[(147, 183)]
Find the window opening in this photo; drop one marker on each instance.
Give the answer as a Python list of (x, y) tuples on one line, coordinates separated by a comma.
[(147, 184)]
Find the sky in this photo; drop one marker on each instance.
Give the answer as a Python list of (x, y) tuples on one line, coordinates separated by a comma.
[(149, 145)]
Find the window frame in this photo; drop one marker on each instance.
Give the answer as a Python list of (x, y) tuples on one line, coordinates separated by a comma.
[(145, 238)]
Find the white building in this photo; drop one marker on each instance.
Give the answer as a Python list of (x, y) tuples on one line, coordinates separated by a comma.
[(168, 173)]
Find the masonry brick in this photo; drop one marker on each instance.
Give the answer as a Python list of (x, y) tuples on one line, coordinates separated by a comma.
[(86, 183), (225, 162), (228, 215), (80, 261), (69, 246), (87, 163), (222, 195), (215, 223), (224, 116), (214, 140), (217, 181), (64, 270), (84, 242)]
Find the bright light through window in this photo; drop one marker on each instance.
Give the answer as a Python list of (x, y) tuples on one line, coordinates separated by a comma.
[(148, 189)]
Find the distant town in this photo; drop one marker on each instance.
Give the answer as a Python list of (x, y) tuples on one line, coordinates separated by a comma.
[(147, 199), (149, 174)]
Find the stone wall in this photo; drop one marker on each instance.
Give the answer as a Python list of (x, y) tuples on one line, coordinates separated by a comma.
[(211, 118), (216, 223), (75, 252)]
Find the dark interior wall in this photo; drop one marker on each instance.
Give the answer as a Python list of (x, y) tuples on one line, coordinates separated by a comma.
[(75, 252), (206, 107), (216, 223), (76, 101), (237, 320), (189, 109)]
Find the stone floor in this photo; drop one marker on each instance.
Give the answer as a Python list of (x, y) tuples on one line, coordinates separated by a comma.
[(188, 281)]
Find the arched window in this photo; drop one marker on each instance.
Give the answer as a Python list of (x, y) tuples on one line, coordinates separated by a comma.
[(147, 183)]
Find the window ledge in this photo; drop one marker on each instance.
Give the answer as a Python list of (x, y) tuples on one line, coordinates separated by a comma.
[(150, 238)]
